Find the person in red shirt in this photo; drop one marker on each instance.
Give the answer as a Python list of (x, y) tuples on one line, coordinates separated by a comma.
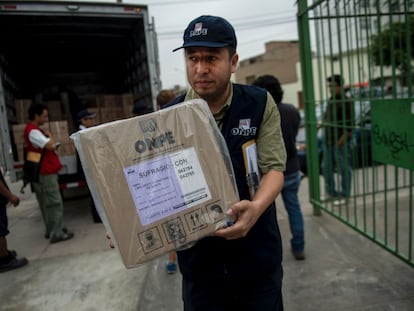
[(41, 144)]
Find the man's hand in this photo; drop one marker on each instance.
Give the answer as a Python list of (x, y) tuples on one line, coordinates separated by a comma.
[(14, 200), (111, 245), (341, 141), (48, 133), (245, 214)]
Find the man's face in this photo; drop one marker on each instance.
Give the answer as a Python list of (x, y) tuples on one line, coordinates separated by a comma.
[(334, 88), (42, 118), (87, 122), (209, 71)]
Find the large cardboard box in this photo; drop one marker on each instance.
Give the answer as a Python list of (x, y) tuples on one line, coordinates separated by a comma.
[(66, 149), (22, 107), (60, 131), (54, 108), (160, 181), (18, 133)]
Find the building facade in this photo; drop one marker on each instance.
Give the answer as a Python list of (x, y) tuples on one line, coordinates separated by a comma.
[(280, 59)]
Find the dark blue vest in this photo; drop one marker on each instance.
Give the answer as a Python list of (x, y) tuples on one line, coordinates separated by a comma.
[(260, 252)]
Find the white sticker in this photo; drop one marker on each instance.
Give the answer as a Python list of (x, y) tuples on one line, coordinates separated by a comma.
[(166, 185)]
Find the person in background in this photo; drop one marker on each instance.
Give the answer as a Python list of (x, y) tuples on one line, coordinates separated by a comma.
[(8, 258), (337, 134), (240, 267), (164, 97), (289, 120), (87, 119), (47, 189)]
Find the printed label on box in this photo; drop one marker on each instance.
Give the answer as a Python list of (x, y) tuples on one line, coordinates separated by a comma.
[(166, 185)]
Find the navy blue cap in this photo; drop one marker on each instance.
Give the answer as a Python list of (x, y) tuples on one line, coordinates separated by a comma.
[(85, 114), (209, 31)]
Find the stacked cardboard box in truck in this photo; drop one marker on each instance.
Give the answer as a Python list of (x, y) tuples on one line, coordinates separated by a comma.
[(60, 132), (67, 72)]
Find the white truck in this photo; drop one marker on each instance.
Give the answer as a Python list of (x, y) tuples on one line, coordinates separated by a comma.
[(75, 55)]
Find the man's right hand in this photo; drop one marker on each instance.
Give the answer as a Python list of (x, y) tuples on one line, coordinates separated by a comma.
[(48, 133), (14, 200), (111, 245)]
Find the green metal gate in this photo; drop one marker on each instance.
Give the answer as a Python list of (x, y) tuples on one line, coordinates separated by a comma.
[(368, 128)]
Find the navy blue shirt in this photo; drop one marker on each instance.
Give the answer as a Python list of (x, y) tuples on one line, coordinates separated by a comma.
[(289, 122)]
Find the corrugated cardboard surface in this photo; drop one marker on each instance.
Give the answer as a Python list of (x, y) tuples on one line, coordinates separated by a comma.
[(162, 180)]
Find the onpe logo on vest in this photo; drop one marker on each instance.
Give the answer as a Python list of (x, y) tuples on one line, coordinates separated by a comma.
[(244, 128)]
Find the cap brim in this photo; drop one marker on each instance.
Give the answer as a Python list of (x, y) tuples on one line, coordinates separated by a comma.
[(87, 116), (202, 44)]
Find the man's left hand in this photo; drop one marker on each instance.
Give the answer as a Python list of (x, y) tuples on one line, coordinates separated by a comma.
[(245, 214)]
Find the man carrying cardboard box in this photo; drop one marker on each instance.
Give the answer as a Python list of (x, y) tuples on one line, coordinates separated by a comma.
[(240, 267)]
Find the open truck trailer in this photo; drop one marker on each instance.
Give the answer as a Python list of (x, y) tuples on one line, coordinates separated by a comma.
[(71, 56)]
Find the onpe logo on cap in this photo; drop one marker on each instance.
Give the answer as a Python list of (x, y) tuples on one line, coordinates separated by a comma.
[(198, 30)]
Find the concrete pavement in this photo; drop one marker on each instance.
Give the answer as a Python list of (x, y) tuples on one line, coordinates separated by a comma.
[(343, 270)]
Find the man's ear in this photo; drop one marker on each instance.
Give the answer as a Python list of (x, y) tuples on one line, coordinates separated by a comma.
[(234, 61)]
